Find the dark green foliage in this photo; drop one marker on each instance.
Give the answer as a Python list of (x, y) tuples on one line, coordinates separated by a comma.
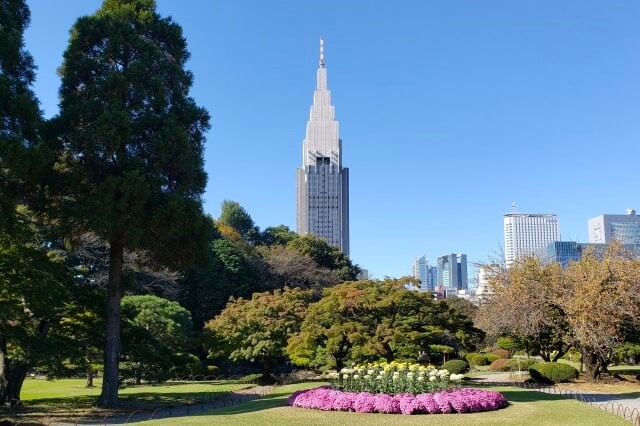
[(155, 334), (456, 366), (552, 372), (502, 353), (228, 271), (499, 365), (277, 235), (326, 256), (20, 119), (479, 360), (628, 353)]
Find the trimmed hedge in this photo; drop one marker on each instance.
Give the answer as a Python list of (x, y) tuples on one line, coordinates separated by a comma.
[(491, 358), (502, 353), (468, 357), (456, 366), (479, 360), (552, 372), (499, 365)]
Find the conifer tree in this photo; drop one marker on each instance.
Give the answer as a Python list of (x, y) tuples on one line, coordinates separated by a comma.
[(129, 147)]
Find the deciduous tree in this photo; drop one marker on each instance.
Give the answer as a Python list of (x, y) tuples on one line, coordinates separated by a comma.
[(257, 329)]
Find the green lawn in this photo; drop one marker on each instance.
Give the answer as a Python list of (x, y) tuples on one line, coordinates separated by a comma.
[(72, 392), (526, 408)]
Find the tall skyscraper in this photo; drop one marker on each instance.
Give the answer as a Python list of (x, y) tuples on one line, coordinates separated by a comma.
[(525, 234), (452, 272), (622, 227), (323, 184), (425, 273)]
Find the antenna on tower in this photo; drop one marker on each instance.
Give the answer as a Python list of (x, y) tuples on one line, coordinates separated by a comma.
[(322, 52), (513, 207)]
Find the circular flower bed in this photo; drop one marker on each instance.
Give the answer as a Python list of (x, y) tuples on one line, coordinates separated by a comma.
[(452, 401)]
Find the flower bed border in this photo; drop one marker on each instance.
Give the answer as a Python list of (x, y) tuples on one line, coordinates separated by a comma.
[(465, 400)]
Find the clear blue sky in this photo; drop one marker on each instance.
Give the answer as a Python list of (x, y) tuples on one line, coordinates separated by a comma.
[(449, 110)]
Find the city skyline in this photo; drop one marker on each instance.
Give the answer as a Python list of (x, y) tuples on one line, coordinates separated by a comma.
[(479, 104)]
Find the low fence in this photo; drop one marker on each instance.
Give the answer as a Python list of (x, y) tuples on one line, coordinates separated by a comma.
[(614, 407)]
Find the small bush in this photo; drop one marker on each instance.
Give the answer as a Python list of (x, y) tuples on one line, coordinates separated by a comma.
[(479, 360), (456, 366), (552, 372), (491, 358), (468, 357), (502, 353), (499, 365), (522, 364)]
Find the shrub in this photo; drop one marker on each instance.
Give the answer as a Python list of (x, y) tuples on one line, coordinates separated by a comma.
[(456, 366), (491, 358), (522, 364), (499, 365), (502, 353), (470, 356), (552, 372), (479, 360)]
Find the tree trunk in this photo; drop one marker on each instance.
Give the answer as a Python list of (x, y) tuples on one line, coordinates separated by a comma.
[(89, 377), (592, 365), (109, 396), (3, 370), (138, 374), (14, 385)]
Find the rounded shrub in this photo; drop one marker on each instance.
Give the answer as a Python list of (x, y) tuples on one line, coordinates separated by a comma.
[(502, 353), (552, 372), (479, 360), (499, 365), (491, 358), (456, 366), (468, 357), (522, 364)]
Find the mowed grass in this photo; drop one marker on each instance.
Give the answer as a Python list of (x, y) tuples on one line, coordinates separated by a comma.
[(526, 408), (72, 392)]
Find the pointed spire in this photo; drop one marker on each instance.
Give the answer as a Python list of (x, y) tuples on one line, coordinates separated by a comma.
[(321, 52)]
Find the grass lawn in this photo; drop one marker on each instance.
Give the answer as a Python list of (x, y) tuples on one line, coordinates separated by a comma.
[(526, 408), (72, 392)]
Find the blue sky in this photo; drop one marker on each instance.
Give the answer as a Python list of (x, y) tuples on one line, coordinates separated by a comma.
[(449, 111)]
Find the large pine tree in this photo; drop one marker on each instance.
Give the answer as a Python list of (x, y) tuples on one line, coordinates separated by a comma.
[(130, 146)]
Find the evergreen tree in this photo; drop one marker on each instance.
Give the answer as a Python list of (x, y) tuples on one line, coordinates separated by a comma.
[(130, 147)]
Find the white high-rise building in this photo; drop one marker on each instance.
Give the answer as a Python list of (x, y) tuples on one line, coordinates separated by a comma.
[(323, 184), (526, 233), (622, 227), (425, 273)]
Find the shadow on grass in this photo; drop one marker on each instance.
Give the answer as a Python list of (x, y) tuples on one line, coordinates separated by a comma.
[(139, 400), (516, 395), (276, 399)]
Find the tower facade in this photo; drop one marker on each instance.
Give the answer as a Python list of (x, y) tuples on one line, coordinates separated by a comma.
[(452, 272), (322, 182), (525, 234)]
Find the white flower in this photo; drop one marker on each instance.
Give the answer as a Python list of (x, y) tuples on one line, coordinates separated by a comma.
[(345, 376), (432, 378), (356, 376)]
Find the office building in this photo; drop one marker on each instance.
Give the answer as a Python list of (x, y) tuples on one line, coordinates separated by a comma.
[(525, 234), (322, 181), (452, 273), (425, 273), (606, 228)]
